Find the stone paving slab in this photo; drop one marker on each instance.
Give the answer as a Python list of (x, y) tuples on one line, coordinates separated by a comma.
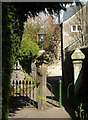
[(53, 112)]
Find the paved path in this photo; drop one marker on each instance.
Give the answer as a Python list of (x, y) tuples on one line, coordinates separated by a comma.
[(53, 112)]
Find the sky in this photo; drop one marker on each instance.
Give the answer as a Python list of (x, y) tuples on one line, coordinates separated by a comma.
[(84, 1)]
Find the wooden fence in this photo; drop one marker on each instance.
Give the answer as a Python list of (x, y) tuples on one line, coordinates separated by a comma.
[(23, 88)]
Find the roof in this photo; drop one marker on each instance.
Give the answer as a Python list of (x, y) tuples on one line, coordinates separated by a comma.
[(70, 12)]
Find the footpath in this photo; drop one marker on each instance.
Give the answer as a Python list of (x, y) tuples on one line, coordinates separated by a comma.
[(53, 112)]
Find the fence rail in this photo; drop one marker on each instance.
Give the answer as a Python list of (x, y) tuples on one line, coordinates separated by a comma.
[(22, 88)]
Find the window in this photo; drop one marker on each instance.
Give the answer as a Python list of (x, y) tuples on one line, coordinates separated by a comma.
[(76, 28), (79, 27)]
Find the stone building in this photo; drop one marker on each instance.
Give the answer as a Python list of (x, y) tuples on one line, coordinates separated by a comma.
[(75, 27)]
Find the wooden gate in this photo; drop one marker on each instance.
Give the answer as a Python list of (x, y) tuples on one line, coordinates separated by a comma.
[(25, 89)]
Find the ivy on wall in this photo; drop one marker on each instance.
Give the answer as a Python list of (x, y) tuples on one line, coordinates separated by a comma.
[(11, 38)]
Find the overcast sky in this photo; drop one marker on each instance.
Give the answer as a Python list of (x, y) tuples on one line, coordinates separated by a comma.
[(84, 1)]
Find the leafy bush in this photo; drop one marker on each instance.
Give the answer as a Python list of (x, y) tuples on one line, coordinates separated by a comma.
[(27, 53), (28, 50)]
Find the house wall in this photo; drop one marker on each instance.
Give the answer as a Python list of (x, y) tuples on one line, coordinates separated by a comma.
[(78, 18)]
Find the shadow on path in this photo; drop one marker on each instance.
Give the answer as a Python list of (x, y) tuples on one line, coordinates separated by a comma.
[(67, 103), (52, 93), (19, 102), (53, 81)]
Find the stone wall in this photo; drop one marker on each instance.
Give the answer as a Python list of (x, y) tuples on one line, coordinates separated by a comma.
[(82, 81)]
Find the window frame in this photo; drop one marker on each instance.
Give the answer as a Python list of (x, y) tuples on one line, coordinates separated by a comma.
[(76, 25)]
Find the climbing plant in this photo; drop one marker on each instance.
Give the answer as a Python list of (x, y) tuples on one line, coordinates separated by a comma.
[(11, 34)]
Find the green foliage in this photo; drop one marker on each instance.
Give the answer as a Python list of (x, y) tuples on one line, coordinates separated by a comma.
[(81, 108), (29, 47), (29, 79), (11, 38), (28, 50), (27, 53), (30, 31)]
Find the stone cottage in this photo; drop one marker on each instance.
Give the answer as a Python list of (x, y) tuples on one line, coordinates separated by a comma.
[(75, 26)]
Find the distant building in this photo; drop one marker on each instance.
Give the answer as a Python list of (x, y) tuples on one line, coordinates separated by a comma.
[(75, 27)]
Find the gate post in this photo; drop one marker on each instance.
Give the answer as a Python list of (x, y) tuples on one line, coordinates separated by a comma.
[(41, 93), (41, 79), (77, 58)]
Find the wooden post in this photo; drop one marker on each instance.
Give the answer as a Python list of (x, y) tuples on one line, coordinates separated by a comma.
[(23, 87), (31, 90), (34, 75), (20, 87), (13, 83)]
